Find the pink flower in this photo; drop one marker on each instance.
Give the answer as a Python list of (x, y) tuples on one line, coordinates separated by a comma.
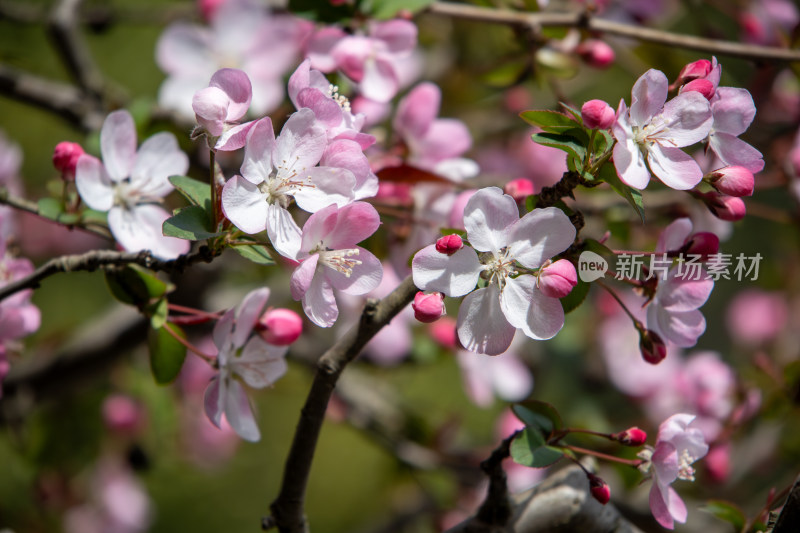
[(733, 181), (557, 280), (651, 134), (129, 184), (449, 244), (277, 170), (428, 307), (219, 107), (724, 207), (489, 317), (372, 61), (329, 259), (519, 189), (631, 437), (677, 447), (485, 378), (242, 35), (280, 327), (244, 356), (755, 316), (65, 158), (597, 115), (18, 316), (673, 313), (596, 53)]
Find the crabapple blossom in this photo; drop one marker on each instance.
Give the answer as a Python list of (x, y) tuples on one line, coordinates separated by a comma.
[(219, 107), (242, 355), (673, 313), (18, 316), (677, 238), (631, 437), (733, 181), (65, 158), (280, 327), (557, 279), (651, 134), (489, 316), (677, 447), (519, 189), (702, 86), (755, 316), (277, 170), (329, 259), (449, 244), (597, 115), (428, 307), (372, 61), (596, 53), (130, 184), (724, 207), (242, 34)]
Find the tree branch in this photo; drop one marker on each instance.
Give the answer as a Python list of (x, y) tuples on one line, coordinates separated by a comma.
[(91, 261), (585, 20), (288, 509), (71, 47)]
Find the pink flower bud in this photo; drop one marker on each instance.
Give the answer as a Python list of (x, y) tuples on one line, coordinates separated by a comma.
[(598, 115), (280, 327), (557, 280), (65, 158), (697, 69), (733, 181), (122, 413), (428, 307), (210, 107), (599, 489), (702, 86), (444, 332), (703, 243), (730, 208), (631, 437), (208, 8), (449, 244), (596, 53), (652, 347), (718, 462), (519, 189)]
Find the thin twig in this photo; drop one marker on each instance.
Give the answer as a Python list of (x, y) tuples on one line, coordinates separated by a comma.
[(596, 24), (91, 261), (288, 509), (72, 48)]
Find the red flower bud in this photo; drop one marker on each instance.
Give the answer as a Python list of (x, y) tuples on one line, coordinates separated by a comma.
[(280, 327), (557, 280), (730, 208), (702, 86), (449, 244), (598, 115), (65, 158), (596, 53), (428, 307), (697, 69), (652, 346), (519, 189), (733, 181), (599, 489), (122, 414), (703, 243), (631, 437)]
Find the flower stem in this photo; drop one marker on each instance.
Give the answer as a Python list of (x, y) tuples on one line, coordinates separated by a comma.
[(601, 455), (189, 346), (636, 322)]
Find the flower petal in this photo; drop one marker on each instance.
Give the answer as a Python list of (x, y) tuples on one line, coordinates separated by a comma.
[(245, 205), (93, 183), (354, 223), (324, 107), (283, 232), (525, 307), (674, 167), (417, 111), (330, 185), (734, 151), (628, 160), (683, 293), (674, 236), (487, 216), (158, 158), (212, 401), (379, 82), (540, 235), (257, 164), (686, 120), (139, 228), (236, 85), (260, 364), (482, 326), (118, 144), (300, 144), (238, 412), (363, 278), (303, 276), (319, 302), (247, 314), (454, 275), (648, 96), (680, 328), (733, 110)]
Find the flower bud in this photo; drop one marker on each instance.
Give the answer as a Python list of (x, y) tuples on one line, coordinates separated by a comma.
[(428, 307), (631, 437), (596, 53), (519, 189), (122, 413), (208, 8), (444, 332), (733, 181), (652, 346), (598, 115), (697, 69), (703, 243), (280, 327), (557, 280), (65, 158), (702, 86), (599, 489), (449, 244), (210, 107), (730, 208)]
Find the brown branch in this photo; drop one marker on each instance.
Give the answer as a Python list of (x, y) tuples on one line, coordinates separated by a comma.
[(91, 261), (584, 20), (64, 100), (288, 509), (72, 48)]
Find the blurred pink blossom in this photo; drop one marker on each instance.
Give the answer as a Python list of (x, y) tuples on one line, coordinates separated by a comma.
[(755, 316)]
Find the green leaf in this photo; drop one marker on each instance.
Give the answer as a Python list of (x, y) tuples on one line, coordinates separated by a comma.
[(166, 353), (598, 248), (90, 216), (508, 74), (549, 121), (634, 197), (197, 192), (539, 414), (387, 9), (158, 312), (576, 297), (727, 512), (191, 223), (567, 143), (574, 112), (602, 141), (530, 202), (255, 253), (135, 286), (453, 231), (529, 449)]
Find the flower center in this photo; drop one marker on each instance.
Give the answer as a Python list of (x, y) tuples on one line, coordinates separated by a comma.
[(281, 184), (499, 266), (342, 101), (685, 470), (340, 260)]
